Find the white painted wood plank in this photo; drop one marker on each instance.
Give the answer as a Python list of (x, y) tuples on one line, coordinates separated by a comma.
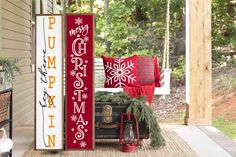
[(22, 5), (17, 53), (10, 44), (24, 78), (11, 25), (16, 9), (28, 2), (187, 58), (26, 85), (28, 92), (37, 7), (11, 16), (7, 34)]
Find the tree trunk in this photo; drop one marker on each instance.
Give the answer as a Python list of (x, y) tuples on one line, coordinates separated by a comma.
[(91, 3), (78, 5), (140, 14), (180, 43), (69, 4), (106, 11)]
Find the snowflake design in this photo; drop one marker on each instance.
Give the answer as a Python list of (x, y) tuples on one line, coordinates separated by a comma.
[(86, 38), (73, 118), (78, 21), (120, 72), (84, 96), (83, 144), (72, 73)]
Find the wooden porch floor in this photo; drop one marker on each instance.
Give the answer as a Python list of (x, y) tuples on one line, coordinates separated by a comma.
[(181, 140)]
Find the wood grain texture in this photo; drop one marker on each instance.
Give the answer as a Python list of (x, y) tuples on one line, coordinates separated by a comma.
[(200, 62)]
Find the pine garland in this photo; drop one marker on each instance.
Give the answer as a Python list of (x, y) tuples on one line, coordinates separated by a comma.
[(137, 106), (119, 98), (145, 113)]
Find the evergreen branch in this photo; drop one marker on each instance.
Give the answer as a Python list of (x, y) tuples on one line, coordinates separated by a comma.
[(145, 113), (137, 106)]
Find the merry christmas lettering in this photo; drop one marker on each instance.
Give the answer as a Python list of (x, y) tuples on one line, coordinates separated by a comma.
[(79, 82), (83, 29), (78, 50)]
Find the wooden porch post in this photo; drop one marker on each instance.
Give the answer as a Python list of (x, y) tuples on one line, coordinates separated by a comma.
[(198, 62)]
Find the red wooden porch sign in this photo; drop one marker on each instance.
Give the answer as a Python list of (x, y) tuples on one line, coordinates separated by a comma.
[(79, 82)]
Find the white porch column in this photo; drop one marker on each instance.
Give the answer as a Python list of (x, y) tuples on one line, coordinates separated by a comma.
[(37, 7)]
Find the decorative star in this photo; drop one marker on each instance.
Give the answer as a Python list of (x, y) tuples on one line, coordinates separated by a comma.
[(84, 96), (78, 21), (72, 73), (83, 144), (73, 118), (86, 38)]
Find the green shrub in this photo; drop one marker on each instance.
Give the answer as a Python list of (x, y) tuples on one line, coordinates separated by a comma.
[(178, 72), (9, 66)]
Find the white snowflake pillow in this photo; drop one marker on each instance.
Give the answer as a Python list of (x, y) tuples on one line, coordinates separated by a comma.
[(120, 71)]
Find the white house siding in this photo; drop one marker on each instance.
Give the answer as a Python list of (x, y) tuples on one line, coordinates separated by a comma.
[(50, 6), (16, 43)]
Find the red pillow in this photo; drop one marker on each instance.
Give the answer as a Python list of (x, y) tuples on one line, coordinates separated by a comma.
[(156, 72), (145, 70), (148, 71), (120, 71)]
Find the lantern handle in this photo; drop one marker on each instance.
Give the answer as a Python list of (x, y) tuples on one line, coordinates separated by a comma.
[(121, 127), (137, 129)]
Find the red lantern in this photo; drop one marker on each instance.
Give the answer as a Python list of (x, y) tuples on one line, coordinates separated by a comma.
[(129, 133)]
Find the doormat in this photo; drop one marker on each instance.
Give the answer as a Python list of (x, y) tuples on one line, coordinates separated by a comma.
[(175, 147)]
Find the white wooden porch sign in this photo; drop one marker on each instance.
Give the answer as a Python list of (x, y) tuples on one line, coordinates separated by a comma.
[(49, 100)]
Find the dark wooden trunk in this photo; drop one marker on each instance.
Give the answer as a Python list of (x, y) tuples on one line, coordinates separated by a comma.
[(107, 124)]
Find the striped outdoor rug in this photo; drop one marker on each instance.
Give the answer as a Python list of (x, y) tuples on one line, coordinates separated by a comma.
[(175, 147)]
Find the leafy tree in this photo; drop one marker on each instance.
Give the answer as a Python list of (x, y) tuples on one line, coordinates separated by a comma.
[(127, 26), (223, 23)]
